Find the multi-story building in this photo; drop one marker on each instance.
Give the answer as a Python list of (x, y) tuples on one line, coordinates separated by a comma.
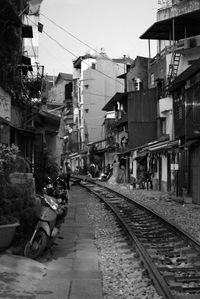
[(57, 100), (186, 103), (135, 119), (177, 32), (94, 83), (22, 122)]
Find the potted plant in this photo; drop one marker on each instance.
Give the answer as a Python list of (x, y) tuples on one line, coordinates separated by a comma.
[(17, 199), (8, 222)]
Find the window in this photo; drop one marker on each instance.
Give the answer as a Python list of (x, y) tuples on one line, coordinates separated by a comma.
[(94, 66), (86, 110), (152, 79), (179, 112), (163, 126)]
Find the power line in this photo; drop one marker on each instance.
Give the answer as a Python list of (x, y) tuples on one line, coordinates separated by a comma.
[(59, 44), (78, 39), (78, 56), (96, 94)]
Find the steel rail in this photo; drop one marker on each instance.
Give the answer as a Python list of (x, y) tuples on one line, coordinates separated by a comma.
[(146, 256), (159, 283)]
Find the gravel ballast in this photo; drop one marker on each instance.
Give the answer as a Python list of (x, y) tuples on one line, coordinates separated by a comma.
[(186, 216), (123, 276)]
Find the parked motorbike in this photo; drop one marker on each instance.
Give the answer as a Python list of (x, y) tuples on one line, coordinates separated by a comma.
[(51, 215), (60, 190), (104, 176), (57, 188)]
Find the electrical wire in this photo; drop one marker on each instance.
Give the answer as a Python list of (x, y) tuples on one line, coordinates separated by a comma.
[(78, 39), (96, 94), (59, 44)]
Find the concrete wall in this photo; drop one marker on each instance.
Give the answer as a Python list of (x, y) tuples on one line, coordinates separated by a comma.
[(5, 105), (158, 69), (54, 145), (178, 8), (97, 90), (139, 69)]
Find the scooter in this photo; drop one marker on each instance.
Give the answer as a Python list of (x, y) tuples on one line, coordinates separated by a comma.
[(104, 176), (51, 215), (57, 189)]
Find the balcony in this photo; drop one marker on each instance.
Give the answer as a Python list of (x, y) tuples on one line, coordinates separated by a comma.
[(165, 105)]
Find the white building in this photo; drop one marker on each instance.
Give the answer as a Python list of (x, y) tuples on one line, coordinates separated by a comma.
[(94, 83)]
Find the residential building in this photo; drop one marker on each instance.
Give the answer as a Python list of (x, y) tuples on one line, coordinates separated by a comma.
[(186, 91), (94, 83), (57, 100), (135, 117), (177, 32), (22, 121), (12, 97)]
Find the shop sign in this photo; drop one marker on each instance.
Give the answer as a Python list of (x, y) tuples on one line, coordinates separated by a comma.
[(174, 166)]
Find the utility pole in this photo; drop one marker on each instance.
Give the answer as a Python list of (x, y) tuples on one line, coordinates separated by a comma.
[(125, 71)]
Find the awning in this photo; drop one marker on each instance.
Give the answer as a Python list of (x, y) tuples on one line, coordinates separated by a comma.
[(162, 30), (162, 146), (123, 76), (189, 143), (118, 97), (9, 123), (96, 142), (5, 121), (184, 76), (141, 155)]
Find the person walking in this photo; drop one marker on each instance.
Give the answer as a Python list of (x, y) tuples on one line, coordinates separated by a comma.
[(68, 174)]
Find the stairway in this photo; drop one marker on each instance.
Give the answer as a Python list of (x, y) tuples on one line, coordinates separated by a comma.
[(173, 67)]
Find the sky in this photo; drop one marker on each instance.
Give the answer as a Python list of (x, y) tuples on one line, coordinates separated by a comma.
[(114, 25)]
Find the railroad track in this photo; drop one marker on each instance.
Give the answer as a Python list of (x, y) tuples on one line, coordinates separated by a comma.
[(170, 255)]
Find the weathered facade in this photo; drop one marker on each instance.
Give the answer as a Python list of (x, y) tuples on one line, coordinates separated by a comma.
[(94, 82), (186, 90), (176, 31)]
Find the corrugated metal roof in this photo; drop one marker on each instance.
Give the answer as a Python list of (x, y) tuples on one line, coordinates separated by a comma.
[(162, 30), (187, 74), (63, 76), (119, 96)]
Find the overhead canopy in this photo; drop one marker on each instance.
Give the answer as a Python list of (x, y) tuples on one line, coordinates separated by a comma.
[(141, 155), (184, 76), (118, 97), (186, 25), (189, 143), (123, 76)]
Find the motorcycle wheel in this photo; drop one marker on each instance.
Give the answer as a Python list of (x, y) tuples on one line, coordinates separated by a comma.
[(38, 245)]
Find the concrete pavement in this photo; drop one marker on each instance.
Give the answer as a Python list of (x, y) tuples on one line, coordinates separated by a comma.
[(70, 272)]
